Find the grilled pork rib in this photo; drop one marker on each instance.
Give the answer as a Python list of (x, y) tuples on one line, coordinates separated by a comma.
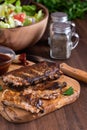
[(30, 75), (31, 99)]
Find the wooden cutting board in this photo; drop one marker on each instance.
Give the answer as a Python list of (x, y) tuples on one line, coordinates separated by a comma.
[(17, 115)]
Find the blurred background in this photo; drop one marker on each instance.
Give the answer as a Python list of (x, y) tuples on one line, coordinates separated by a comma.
[(74, 8)]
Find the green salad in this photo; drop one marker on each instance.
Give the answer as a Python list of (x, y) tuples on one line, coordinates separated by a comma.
[(13, 14)]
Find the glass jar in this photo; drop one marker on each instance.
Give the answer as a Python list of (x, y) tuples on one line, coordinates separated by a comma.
[(60, 17), (61, 41)]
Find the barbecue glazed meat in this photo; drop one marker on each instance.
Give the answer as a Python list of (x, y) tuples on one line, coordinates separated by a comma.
[(31, 99), (31, 75)]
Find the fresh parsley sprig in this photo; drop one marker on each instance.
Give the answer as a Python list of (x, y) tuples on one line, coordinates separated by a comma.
[(68, 92)]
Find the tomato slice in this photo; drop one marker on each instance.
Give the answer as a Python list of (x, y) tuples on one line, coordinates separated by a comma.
[(21, 17)]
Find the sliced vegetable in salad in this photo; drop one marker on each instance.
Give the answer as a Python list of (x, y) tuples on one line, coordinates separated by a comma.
[(13, 14)]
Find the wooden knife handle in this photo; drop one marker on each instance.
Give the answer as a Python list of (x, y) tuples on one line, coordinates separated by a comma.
[(73, 72)]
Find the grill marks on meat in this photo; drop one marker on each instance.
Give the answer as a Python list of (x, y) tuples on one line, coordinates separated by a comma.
[(34, 81), (31, 75), (49, 90), (49, 86), (14, 99), (45, 94), (31, 99)]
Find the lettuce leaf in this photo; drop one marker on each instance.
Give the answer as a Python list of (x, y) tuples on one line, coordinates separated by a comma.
[(29, 9), (10, 1), (39, 15), (18, 6)]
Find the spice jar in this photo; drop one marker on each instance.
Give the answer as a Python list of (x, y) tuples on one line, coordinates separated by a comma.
[(58, 17), (61, 41)]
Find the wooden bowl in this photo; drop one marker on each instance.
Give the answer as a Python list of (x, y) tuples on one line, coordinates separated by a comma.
[(26, 36)]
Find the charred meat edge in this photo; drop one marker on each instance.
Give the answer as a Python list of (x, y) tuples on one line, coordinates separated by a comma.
[(34, 74)]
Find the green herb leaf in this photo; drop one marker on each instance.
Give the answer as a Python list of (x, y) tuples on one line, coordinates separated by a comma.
[(68, 92), (1, 88)]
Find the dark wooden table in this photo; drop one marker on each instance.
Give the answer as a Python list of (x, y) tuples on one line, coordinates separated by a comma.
[(70, 117)]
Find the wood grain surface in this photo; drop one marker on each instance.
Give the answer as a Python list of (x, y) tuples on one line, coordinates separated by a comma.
[(70, 117)]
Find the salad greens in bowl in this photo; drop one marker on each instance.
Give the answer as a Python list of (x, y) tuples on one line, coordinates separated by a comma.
[(15, 15), (21, 25)]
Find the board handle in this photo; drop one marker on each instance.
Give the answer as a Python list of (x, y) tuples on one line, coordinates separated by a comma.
[(73, 72)]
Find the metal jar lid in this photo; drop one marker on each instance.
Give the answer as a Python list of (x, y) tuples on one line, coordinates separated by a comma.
[(61, 28), (59, 17)]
